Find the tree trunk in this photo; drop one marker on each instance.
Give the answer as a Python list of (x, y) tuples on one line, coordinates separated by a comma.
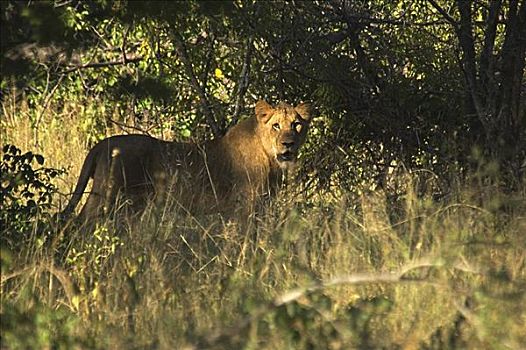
[(494, 88), (509, 119)]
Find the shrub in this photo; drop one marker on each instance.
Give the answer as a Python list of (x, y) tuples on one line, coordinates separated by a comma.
[(26, 194)]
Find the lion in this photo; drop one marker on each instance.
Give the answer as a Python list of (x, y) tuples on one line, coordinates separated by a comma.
[(225, 175)]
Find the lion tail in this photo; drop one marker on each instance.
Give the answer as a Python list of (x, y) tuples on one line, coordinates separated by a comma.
[(87, 172)]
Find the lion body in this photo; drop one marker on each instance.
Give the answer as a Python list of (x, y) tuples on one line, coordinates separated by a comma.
[(224, 175)]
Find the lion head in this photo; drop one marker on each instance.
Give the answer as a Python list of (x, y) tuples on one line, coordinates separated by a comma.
[(282, 130)]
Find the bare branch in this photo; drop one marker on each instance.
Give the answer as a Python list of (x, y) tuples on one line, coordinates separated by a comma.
[(123, 47), (242, 85), (444, 13), (104, 64), (183, 55), (512, 69), (208, 62), (398, 276), (465, 38), (44, 108), (486, 68)]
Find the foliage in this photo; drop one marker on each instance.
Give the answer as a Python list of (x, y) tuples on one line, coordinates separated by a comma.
[(38, 327), (385, 75), (26, 194), (403, 229)]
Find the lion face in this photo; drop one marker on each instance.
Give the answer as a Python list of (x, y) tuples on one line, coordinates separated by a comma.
[(282, 130)]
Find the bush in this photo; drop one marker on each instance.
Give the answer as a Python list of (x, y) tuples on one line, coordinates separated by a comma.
[(26, 194)]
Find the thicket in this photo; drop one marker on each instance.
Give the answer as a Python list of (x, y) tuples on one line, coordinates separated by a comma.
[(404, 226)]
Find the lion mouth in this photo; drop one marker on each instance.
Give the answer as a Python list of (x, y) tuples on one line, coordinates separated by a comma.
[(287, 156)]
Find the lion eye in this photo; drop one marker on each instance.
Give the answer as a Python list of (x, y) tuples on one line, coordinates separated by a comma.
[(297, 126), (276, 126)]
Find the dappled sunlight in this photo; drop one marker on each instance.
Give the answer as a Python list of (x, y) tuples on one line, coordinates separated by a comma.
[(386, 210)]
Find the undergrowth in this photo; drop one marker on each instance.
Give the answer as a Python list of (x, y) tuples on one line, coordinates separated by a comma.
[(408, 271), (450, 276)]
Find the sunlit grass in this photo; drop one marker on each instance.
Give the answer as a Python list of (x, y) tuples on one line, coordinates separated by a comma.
[(365, 272)]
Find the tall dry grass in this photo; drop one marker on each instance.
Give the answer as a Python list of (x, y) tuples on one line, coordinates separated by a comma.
[(367, 272)]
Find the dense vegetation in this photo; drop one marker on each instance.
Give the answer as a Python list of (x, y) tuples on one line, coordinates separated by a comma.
[(404, 227)]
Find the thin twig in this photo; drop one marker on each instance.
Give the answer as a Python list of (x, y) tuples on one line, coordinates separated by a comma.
[(104, 64), (123, 47), (397, 276), (183, 55), (242, 85), (69, 287), (44, 108), (124, 126), (444, 13)]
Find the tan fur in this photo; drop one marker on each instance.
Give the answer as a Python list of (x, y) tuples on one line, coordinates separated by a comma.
[(223, 175)]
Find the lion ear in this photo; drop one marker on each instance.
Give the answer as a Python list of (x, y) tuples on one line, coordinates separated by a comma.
[(304, 110), (263, 111)]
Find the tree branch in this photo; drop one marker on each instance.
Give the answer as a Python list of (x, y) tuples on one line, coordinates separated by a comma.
[(444, 13), (208, 63), (45, 106), (513, 64), (243, 82), (104, 64), (123, 46), (465, 38), (486, 67), (398, 276), (183, 56)]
